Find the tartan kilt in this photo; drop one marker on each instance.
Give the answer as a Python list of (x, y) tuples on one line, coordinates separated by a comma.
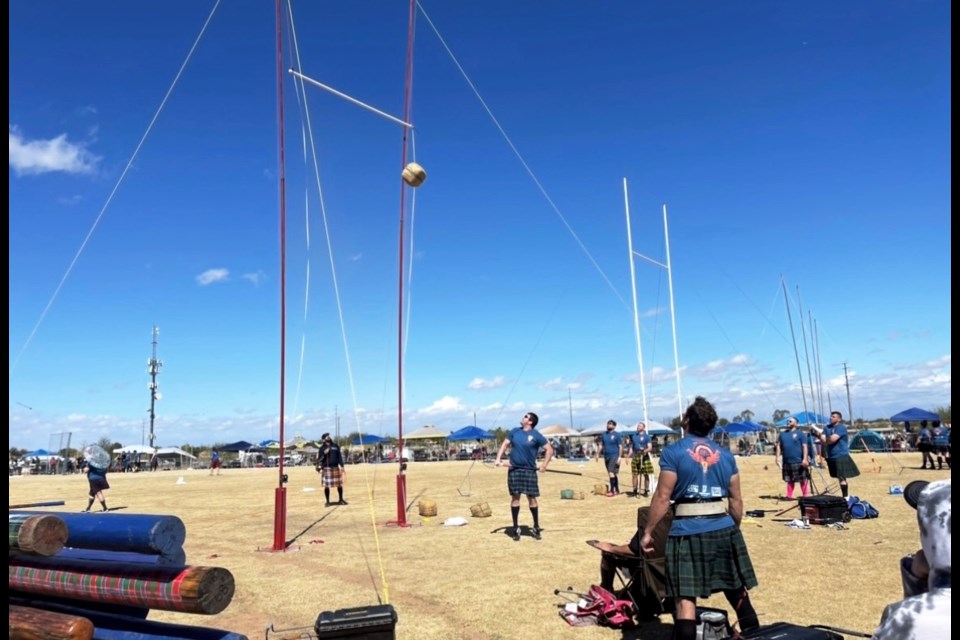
[(523, 481), (332, 477), (701, 565), (795, 472), (842, 467), (641, 464), (98, 485)]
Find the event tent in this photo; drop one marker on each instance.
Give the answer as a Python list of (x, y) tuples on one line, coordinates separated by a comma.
[(914, 415), (240, 445), (558, 430), (426, 433), (470, 432), (804, 418), (867, 440), (736, 428), (135, 448), (367, 438)]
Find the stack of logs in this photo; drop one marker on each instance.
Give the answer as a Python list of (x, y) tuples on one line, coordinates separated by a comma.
[(89, 576)]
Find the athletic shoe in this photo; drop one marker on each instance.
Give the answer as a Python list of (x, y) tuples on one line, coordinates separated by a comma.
[(610, 494), (327, 504), (646, 494), (343, 502), (536, 533), (515, 534)]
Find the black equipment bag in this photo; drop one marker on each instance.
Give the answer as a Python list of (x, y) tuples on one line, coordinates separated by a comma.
[(787, 631), (378, 622), (824, 509)]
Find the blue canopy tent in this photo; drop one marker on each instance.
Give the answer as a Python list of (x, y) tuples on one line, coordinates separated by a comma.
[(737, 428), (234, 447), (38, 453), (867, 440), (804, 418), (368, 438), (914, 415), (470, 433)]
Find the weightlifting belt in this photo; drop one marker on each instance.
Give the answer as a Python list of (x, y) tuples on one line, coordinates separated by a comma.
[(694, 509)]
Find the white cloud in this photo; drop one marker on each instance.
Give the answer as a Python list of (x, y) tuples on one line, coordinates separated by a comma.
[(256, 277), (211, 276), (554, 383), (34, 157), (443, 405), (482, 384)]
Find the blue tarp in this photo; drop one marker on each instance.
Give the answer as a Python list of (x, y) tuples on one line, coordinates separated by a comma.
[(804, 418), (914, 415), (470, 433)]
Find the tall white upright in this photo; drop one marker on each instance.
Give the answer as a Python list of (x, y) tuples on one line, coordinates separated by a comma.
[(636, 315)]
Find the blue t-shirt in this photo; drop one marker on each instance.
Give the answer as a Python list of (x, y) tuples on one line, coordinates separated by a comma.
[(940, 437), (924, 436), (524, 446), (611, 444), (791, 445), (96, 474), (640, 442), (703, 472), (841, 447)]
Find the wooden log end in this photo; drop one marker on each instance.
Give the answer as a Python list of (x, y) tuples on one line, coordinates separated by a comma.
[(214, 589), (28, 623), (42, 535)]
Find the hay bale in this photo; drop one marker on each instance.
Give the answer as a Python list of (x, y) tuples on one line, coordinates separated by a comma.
[(428, 507), (578, 495), (600, 489), (481, 510)]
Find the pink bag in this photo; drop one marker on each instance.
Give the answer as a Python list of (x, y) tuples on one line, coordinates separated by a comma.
[(600, 607)]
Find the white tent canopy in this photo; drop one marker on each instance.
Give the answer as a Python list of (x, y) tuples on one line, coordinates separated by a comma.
[(558, 430), (135, 448), (426, 433), (175, 451)]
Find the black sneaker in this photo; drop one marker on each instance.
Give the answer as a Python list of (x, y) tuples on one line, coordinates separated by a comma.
[(515, 534), (341, 501), (535, 532), (327, 504)]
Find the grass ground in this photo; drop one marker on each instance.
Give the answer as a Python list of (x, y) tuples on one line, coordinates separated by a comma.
[(473, 582)]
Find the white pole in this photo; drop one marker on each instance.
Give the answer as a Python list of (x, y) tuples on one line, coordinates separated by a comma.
[(636, 315), (673, 315), (389, 117)]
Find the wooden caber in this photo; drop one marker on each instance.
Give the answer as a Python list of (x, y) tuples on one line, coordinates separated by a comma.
[(28, 623), (42, 534)]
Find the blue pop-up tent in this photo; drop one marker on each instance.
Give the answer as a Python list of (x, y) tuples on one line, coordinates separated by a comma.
[(233, 447), (804, 418), (470, 433), (868, 440), (914, 415), (368, 438)]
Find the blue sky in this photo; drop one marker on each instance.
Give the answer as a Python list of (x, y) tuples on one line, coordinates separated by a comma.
[(805, 143)]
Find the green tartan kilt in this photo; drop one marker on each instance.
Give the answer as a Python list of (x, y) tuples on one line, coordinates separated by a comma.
[(842, 467), (701, 565)]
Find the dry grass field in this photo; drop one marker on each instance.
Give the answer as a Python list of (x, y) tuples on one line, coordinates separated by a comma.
[(474, 582)]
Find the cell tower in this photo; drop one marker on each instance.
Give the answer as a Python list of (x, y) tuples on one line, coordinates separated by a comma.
[(153, 368)]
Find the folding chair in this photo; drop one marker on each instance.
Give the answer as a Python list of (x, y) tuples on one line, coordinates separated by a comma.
[(641, 577)]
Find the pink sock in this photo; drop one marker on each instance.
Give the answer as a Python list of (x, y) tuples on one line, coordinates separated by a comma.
[(804, 489), (790, 490)]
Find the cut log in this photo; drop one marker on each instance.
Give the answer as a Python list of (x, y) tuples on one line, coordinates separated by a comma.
[(27, 623)]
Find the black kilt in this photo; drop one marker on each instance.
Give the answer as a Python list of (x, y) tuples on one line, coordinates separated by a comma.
[(701, 565), (97, 485), (523, 481), (842, 467), (795, 472)]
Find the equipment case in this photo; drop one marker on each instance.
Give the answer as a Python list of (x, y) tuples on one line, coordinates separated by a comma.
[(824, 509), (787, 631), (377, 622)]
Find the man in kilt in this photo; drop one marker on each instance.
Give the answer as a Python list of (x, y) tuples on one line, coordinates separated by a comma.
[(330, 467), (706, 552), (792, 455), (641, 464), (839, 462), (525, 442)]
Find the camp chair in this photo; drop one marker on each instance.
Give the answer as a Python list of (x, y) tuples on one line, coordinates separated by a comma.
[(641, 577)]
